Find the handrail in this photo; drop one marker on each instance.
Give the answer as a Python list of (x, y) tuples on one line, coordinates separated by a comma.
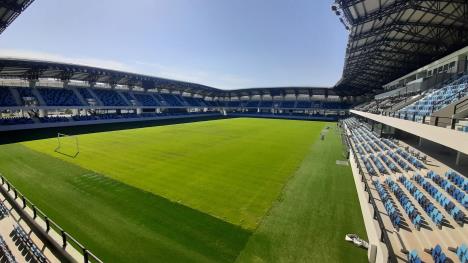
[(461, 105), (67, 239)]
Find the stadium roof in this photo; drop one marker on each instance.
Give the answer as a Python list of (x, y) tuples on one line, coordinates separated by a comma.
[(390, 38), (29, 69), (36, 69), (10, 10)]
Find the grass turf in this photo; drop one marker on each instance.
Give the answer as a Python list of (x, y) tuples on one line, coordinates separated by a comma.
[(123, 223), (117, 222), (231, 169), (317, 208)]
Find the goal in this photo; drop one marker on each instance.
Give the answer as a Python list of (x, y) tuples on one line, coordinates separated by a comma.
[(67, 145)]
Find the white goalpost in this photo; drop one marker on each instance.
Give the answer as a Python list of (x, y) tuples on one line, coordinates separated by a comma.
[(67, 145)]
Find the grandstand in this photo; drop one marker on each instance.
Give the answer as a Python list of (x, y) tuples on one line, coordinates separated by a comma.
[(50, 99), (221, 190), (407, 138)]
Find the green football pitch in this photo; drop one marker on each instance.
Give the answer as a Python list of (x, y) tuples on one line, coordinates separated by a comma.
[(245, 190)]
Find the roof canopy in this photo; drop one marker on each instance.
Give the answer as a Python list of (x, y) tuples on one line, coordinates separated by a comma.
[(10, 10), (36, 69), (389, 38)]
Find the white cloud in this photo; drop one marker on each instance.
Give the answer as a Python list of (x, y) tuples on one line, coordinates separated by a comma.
[(214, 79), (28, 54)]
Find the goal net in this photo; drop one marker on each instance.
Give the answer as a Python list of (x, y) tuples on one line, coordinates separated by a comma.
[(67, 145)]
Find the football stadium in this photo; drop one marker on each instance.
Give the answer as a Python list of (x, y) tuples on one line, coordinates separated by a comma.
[(99, 164)]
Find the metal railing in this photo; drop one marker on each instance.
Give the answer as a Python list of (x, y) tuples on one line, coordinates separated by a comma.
[(67, 239), (461, 106), (439, 121)]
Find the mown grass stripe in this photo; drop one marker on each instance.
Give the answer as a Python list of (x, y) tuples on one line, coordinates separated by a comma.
[(119, 223), (231, 169), (317, 208)]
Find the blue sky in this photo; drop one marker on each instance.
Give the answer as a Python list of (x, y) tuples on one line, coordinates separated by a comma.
[(222, 43)]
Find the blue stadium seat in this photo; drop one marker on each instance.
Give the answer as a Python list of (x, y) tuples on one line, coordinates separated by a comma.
[(413, 257), (6, 98), (211, 103), (85, 93), (448, 205), (170, 99), (252, 104), (302, 104), (127, 95), (399, 161), (59, 97), (457, 179), (146, 99), (378, 164), (84, 118), (389, 163), (435, 215), (405, 202), (411, 159), (52, 119), (26, 93), (438, 255), (15, 121), (288, 104), (5, 251), (389, 207), (110, 97), (195, 102), (28, 244), (266, 104), (462, 253), (233, 104), (436, 100)]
